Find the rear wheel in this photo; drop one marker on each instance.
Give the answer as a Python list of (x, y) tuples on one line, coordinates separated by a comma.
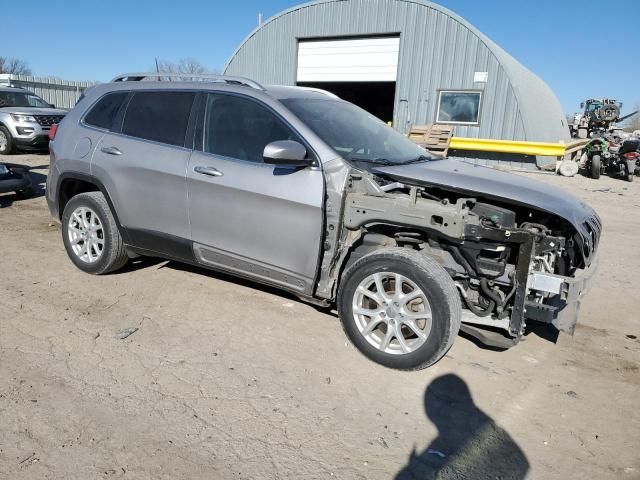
[(595, 166), (628, 173), (399, 308), (6, 142), (91, 236)]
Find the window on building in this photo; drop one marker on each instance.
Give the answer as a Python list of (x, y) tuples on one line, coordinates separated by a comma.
[(459, 107), (240, 128), (104, 112), (159, 116)]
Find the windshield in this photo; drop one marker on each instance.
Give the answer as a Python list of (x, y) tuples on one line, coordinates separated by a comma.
[(592, 107), (21, 99), (355, 134)]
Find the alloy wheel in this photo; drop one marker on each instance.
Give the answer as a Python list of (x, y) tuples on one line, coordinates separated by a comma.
[(392, 313), (86, 234), (4, 141)]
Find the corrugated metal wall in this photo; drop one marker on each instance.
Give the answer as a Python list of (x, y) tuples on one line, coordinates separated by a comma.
[(61, 93), (438, 50)]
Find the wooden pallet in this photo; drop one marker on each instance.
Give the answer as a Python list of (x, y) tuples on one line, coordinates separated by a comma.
[(434, 138)]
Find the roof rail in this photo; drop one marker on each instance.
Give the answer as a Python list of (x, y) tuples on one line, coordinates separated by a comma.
[(320, 90), (137, 77)]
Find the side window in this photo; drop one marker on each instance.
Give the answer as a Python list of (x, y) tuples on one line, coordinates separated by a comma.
[(104, 112), (240, 128), (459, 107), (159, 116)]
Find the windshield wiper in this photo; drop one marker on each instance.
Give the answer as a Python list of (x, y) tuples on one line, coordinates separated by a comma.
[(374, 161), (387, 162), (421, 158)]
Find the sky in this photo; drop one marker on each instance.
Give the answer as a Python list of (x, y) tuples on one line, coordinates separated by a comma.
[(571, 44)]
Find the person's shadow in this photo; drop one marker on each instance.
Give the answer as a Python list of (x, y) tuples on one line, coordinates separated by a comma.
[(469, 444)]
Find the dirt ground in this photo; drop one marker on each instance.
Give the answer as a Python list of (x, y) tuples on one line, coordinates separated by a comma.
[(226, 379)]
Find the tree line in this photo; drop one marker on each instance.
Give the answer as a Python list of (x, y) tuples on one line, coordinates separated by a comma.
[(14, 66), (186, 66)]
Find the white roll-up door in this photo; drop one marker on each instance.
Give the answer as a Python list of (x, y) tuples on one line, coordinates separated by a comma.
[(349, 60)]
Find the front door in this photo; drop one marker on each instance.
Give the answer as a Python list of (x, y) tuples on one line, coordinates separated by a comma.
[(247, 217)]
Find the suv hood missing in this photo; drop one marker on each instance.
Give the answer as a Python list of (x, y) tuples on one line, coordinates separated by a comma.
[(474, 180)]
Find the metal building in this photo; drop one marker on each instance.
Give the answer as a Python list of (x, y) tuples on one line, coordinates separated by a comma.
[(409, 62)]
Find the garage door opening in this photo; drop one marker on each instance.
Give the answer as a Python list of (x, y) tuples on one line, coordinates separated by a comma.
[(377, 98), (360, 70)]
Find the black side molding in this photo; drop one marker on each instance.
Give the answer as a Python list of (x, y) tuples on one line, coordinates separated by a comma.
[(161, 244)]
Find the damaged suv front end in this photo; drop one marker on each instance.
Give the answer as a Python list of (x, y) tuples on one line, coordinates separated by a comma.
[(516, 249), (528, 250)]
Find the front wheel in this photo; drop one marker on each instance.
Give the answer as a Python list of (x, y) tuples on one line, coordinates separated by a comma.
[(400, 308), (6, 142), (595, 166)]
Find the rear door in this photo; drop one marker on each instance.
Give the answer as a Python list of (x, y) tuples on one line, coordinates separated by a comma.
[(143, 166), (247, 217)]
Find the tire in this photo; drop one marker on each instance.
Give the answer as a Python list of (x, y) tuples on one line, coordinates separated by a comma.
[(608, 113), (627, 173), (92, 208), (417, 271), (6, 142), (595, 166)]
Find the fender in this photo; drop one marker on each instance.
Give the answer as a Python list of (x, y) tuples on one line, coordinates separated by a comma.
[(93, 180)]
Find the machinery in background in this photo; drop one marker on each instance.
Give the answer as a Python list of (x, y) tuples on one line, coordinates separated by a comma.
[(597, 114)]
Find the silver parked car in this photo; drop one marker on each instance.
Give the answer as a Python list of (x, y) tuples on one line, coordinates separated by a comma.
[(25, 120), (295, 188)]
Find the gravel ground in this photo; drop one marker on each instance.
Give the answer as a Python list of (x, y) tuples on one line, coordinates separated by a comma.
[(227, 379)]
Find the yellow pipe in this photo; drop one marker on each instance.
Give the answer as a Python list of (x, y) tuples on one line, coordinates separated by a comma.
[(508, 146)]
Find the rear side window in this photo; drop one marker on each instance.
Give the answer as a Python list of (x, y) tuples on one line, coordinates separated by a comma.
[(104, 112), (159, 116)]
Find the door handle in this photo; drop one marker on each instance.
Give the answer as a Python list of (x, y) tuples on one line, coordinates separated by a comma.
[(211, 171), (111, 150)]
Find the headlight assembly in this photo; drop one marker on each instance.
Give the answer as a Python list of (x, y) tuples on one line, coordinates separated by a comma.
[(23, 118)]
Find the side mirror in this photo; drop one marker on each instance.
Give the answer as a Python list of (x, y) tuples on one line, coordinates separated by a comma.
[(287, 153)]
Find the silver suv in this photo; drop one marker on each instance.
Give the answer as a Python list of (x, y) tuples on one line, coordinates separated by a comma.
[(295, 188), (25, 120)]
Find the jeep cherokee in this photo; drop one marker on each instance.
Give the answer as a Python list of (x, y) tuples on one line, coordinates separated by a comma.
[(295, 188)]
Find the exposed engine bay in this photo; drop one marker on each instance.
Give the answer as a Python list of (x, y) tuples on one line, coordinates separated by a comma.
[(510, 262)]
